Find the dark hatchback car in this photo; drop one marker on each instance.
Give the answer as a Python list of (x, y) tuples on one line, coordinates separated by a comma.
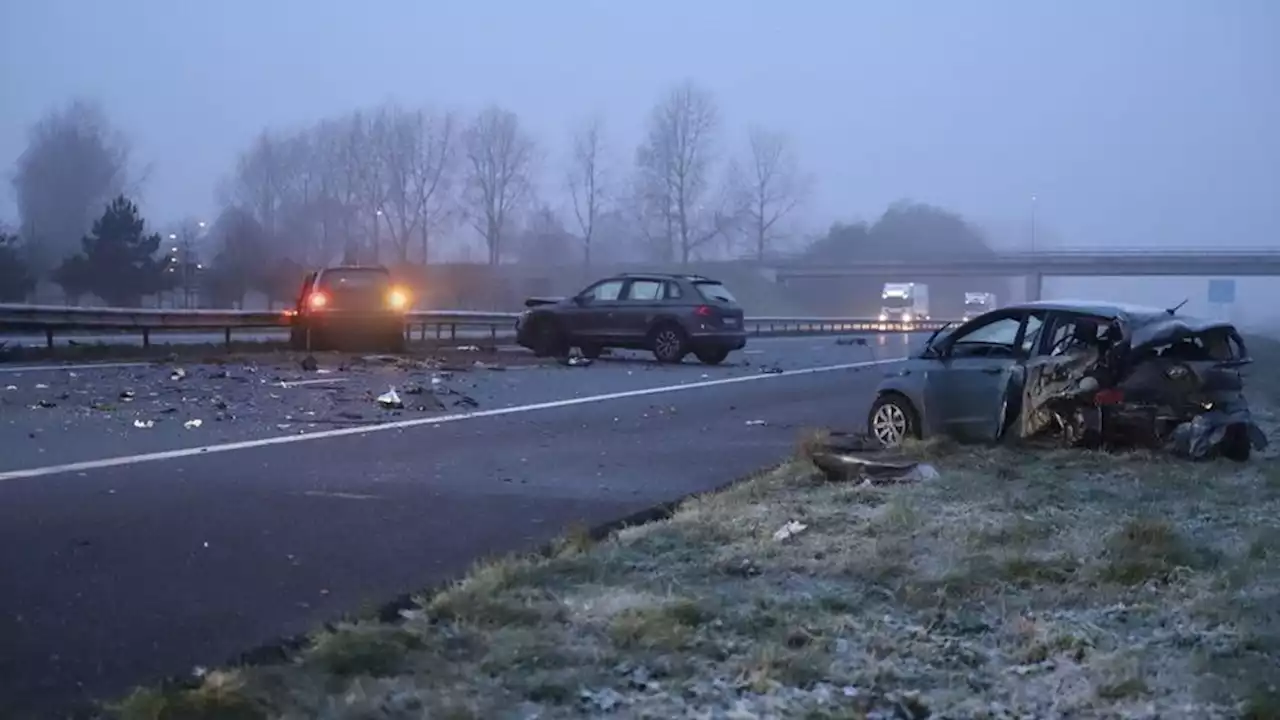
[(668, 315), (344, 306), (1091, 373)]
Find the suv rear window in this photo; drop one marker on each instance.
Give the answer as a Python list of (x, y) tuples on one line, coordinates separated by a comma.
[(715, 292), (354, 279)]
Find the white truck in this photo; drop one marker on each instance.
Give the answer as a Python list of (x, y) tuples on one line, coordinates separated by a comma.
[(977, 303), (904, 302)]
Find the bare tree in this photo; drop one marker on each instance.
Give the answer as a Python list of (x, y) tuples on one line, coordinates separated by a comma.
[(500, 157), (675, 163), (773, 188), (588, 181), (419, 162), (73, 165)]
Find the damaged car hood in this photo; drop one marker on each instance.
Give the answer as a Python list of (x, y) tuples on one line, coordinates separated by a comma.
[(534, 302)]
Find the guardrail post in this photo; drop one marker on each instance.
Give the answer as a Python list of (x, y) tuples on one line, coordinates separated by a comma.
[(48, 338), (146, 337), (439, 331), (422, 332), (493, 333), (226, 337), (453, 331)]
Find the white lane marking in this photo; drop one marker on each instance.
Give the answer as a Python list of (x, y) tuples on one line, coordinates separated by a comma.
[(338, 495), (82, 366), (416, 422), (318, 381)]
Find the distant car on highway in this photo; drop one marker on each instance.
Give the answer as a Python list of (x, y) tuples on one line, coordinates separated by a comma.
[(340, 307), (1092, 373), (670, 315)]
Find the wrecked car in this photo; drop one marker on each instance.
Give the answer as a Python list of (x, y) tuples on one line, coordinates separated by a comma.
[(1088, 374)]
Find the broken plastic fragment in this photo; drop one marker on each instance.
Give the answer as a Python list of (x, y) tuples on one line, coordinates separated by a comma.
[(41, 386), (789, 530), (391, 400), (309, 363), (127, 395), (10, 387), (178, 374), (144, 423), (192, 424), (756, 422), (468, 348)]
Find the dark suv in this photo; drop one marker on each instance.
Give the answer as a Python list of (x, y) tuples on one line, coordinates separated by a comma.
[(344, 303), (669, 315)]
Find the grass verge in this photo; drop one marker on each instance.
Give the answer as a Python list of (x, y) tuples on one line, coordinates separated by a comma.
[(1018, 583)]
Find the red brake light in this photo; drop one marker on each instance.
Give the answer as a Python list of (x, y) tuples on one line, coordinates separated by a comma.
[(704, 311), (1110, 396), (317, 300)]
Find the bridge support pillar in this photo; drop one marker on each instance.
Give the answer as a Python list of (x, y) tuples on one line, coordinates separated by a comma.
[(1034, 287)]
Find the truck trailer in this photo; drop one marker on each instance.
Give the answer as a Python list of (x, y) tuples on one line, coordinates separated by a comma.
[(904, 302)]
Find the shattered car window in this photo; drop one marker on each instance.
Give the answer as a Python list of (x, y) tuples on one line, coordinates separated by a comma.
[(1035, 323), (1001, 332)]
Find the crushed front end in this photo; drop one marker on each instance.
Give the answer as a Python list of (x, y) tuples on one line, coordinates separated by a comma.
[(1171, 383)]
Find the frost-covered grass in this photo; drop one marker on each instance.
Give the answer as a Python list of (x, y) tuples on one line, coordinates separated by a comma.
[(1019, 583)]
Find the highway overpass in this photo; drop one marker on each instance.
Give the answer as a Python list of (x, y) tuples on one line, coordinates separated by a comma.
[(1035, 266)]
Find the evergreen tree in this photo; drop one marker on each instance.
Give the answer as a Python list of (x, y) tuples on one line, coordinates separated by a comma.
[(16, 279), (118, 261)]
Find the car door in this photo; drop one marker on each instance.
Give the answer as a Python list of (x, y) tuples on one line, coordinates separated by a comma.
[(641, 302), (980, 372), (589, 317)]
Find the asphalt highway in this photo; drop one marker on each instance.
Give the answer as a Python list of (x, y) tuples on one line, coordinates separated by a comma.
[(132, 553)]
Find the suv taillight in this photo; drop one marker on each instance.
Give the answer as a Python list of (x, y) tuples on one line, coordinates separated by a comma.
[(704, 311), (317, 300)]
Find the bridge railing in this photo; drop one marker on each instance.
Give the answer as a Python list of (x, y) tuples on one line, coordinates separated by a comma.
[(61, 321)]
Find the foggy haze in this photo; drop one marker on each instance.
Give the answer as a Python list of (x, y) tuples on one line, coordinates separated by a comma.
[(1143, 123)]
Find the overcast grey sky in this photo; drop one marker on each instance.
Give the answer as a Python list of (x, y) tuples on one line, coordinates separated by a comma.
[(1135, 122)]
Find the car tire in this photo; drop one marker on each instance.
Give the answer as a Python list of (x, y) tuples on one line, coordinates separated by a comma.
[(549, 339), (591, 351), (891, 420), (669, 343), (712, 356), (1236, 446)]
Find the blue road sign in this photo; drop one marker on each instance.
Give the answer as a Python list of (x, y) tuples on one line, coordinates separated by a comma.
[(1222, 292)]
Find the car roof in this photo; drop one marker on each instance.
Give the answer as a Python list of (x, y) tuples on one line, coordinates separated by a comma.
[(662, 276), (375, 268), (1100, 308)]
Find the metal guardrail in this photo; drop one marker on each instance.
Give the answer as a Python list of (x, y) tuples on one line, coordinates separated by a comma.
[(52, 321)]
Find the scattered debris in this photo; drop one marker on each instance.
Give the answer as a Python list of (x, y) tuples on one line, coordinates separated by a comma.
[(193, 423), (468, 348), (144, 423), (390, 400), (852, 341), (10, 387), (44, 404), (756, 422), (309, 364), (127, 395), (849, 458), (771, 370), (790, 530), (178, 374), (41, 386)]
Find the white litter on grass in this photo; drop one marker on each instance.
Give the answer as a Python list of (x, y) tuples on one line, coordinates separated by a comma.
[(192, 424), (435, 380), (756, 423), (10, 387), (41, 386), (390, 400), (144, 423), (789, 530), (178, 374)]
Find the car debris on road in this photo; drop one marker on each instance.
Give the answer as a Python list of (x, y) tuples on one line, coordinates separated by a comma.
[(1084, 374)]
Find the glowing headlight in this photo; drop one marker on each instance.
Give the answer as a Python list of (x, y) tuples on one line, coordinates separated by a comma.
[(883, 317), (398, 299), (906, 317)]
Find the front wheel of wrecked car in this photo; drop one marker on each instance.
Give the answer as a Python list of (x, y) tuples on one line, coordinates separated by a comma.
[(892, 420), (1236, 444)]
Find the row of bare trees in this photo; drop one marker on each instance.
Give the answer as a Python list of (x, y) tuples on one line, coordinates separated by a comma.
[(397, 184)]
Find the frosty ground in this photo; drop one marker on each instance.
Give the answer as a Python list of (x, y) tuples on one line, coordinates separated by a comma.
[(1021, 582)]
